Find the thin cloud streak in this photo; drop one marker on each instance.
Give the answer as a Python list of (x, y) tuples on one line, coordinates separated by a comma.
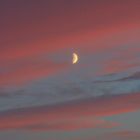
[(27, 73)]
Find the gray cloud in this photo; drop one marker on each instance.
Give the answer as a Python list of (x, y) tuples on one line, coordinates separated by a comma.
[(54, 90)]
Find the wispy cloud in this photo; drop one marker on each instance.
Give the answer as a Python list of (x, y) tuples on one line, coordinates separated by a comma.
[(64, 116)]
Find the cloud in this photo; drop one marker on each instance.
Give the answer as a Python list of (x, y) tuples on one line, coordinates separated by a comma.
[(63, 116), (115, 135), (45, 28), (72, 125), (126, 134), (134, 76), (25, 73), (123, 135)]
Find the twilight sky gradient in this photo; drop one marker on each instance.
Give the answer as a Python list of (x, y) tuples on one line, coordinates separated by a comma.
[(43, 96)]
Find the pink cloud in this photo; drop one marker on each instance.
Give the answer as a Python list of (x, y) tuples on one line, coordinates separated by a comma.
[(29, 72), (74, 124), (64, 116)]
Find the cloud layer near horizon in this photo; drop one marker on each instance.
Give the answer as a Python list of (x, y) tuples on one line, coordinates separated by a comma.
[(65, 116)]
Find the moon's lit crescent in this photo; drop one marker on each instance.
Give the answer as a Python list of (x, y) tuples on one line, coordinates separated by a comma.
[(75, 58)]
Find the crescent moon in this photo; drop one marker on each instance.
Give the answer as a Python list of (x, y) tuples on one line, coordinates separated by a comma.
[(75, 58)]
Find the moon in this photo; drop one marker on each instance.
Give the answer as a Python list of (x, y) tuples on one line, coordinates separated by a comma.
[(75, 58)]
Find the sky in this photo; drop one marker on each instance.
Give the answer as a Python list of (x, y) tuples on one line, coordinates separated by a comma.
[(43, 96)]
